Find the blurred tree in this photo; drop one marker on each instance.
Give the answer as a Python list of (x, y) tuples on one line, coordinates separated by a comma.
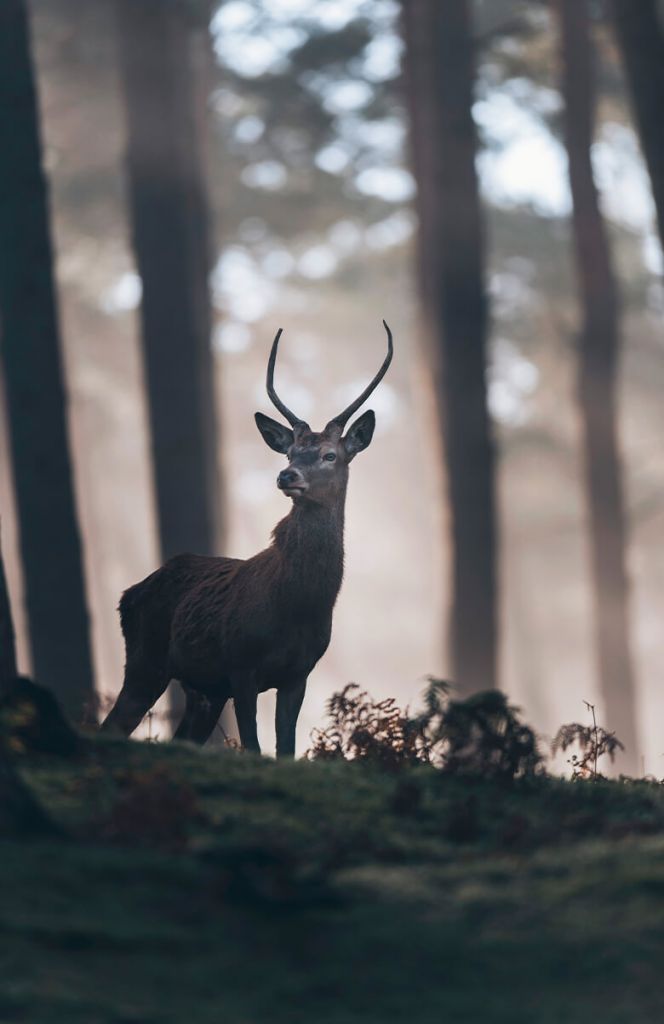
[(50, 544), (8, 671), (163, 61), (599, 355), (439, 75), (640, 37), (161, 58)]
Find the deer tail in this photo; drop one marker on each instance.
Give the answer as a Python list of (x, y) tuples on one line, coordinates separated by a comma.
[(130, 607)]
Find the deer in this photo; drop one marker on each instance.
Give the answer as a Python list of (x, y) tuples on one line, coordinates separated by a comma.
[(229, 628)]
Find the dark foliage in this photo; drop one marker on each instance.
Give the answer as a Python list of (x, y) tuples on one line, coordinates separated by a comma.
[(593, 741), (482, 736), (364, 729), (31, 720)]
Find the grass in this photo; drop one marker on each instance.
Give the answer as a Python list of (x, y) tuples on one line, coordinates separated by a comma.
[(204, 886)]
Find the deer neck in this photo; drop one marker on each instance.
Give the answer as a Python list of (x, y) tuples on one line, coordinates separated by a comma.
[(310, 543)]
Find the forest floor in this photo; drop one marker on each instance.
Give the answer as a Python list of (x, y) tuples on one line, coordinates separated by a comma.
[(210, 886)]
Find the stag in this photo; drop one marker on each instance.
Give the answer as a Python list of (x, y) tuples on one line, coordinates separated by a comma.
[(233, 628)]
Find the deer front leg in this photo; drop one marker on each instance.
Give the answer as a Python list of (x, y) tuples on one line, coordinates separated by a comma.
[(289, 702), (246, 696)]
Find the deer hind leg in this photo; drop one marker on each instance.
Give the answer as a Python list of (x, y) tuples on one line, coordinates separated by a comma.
[(143, 686), (200, 716)]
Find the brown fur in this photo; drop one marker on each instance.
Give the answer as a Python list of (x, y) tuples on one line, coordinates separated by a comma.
[(227, 627), (222, 626)]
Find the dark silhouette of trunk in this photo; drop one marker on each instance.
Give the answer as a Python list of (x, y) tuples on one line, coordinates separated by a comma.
[(439, 76), (36, 401), (158, 53), (599, 353), (163, 61), (8, 671), (640, 37)]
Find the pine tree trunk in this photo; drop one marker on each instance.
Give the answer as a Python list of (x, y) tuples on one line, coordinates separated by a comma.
[(36, 400), (439, 76), (640, 37), (599, 354), (162, 62), (169, 225), (8, 670)]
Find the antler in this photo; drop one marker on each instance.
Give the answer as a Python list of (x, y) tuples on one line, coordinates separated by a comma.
[(274, 397), (343, 417)]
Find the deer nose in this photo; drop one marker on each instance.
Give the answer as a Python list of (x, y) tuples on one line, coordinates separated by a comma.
[(287, 478)]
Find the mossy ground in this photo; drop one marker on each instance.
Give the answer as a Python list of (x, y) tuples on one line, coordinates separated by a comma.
[(206, 886)]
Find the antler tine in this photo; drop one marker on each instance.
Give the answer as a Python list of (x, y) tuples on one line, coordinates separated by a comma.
[(344, 416), (274, 397)]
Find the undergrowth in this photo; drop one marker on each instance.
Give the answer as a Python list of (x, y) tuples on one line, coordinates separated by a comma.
[(593, 742), (417, 865), (482, 736)]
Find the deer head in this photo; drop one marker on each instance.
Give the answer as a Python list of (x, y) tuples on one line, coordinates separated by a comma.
[(318, 462)]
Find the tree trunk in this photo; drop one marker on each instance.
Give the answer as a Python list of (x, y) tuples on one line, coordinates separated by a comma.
[(36, 401), (641, 40), (439, 75), (169, 223), (598, 363), (163, 64), (8, 670)]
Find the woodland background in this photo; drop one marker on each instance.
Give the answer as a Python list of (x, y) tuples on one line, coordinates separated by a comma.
[(505, 528)]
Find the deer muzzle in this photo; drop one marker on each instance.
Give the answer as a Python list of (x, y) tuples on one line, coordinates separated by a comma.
[(291, 482)]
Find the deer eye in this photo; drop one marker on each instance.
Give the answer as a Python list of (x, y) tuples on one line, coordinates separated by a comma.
[(330, 457)]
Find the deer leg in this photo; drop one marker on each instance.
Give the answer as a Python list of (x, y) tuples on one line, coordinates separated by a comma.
[(143, 686), (245, 712), (192, 701), (289, 702), (200, 717)]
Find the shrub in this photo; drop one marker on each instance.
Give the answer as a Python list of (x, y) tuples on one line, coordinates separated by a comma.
[(363, 729), (593, 741), (480, 736), (31, 721), (484, 736)]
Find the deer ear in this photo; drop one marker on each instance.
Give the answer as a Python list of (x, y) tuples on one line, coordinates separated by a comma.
[(276, 435), (359, 434)]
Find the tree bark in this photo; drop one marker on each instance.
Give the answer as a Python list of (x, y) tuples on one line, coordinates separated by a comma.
[(439, 77), (641, 40), (599, 352), (36, 400), (8, 670), (168, 206)]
